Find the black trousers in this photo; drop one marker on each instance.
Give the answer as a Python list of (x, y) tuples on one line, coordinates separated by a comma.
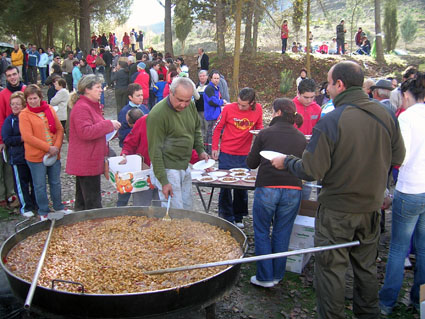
[(87, 193), (68, 79), (32, 74)]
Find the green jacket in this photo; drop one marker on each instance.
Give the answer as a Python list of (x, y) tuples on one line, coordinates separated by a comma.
[(351, 150), (172, 136)]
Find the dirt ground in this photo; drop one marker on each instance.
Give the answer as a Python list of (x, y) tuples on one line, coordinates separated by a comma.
[(292, 298)]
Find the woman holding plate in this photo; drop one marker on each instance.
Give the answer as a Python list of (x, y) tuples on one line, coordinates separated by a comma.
[(87, 143), (42, 133), (277, 194)]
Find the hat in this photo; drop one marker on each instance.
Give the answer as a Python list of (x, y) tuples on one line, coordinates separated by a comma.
[(141, 65), (107, 48), (382, 84)]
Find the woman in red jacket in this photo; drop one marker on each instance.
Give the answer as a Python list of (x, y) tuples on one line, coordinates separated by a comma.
[(91, 59), (126, 40), (87, 144)]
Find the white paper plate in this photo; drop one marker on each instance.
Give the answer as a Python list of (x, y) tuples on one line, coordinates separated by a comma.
[(234, 179), (254, 132), (49, 161), (239, 174), (207, 179), (196, 174), (245, 179), (201, 165), (111, 135), (270, 154), (239, 170), (217, 174)]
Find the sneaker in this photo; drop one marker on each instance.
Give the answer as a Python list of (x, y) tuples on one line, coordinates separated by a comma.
[(43, 217), (276, 281), (28, 214), (385, 311), (264, 284), (407, 263), (65, 211), (240, 225)]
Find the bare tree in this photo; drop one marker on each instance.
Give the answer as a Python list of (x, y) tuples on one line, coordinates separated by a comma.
[(168, 36), (378, 40), (249, 11), (220, 27), (307, 65), (236, 56)]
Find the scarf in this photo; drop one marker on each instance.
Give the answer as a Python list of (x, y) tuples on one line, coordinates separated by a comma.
[(15, 88), (44, 107)]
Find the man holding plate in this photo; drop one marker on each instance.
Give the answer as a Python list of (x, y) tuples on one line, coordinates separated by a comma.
[(351, 151), (174, 130)]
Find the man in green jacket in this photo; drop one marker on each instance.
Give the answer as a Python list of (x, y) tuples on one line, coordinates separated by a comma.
[(174, 130), (351, 151)]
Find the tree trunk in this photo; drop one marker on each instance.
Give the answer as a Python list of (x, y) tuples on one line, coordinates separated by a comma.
[(307, 65), (49, 34), (38, 35), (183, 46), (352, 25), (257, 18), (85, 40), (378, 40), (220, 21), (247, 46), (77, 43), (236, 57), (168, 36)]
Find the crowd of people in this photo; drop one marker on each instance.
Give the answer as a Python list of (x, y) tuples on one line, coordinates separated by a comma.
[(337, 45), (358, 130)]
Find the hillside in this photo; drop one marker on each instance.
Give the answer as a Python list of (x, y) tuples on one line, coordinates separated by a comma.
[(263, 73)]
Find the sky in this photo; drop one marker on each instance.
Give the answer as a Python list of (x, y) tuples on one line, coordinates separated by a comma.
[(146, 12)]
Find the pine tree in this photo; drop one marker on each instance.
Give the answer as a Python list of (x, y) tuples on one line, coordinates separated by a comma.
[(390, 25), (408, 29), (183, 21)]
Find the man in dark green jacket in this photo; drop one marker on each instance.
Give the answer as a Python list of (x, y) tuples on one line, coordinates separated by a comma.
[(351, 151)]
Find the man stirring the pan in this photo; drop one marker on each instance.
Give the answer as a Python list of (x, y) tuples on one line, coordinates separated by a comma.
[(351, 150), (174, 130)]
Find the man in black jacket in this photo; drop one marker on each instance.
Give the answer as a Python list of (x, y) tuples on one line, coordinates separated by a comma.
[(107, 57), (351, 151), (203, 60), (340, 38)]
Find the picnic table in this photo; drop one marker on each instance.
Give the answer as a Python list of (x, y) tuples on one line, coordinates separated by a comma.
[(240, 184)]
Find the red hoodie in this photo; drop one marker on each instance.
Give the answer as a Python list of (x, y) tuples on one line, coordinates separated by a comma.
[(236, 139), (311, 115)]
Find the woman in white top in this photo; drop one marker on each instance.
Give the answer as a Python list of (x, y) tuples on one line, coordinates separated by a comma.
[(408, 215), (60, 100)]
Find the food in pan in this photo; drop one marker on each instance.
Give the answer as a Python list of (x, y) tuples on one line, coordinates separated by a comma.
[(110, 255)]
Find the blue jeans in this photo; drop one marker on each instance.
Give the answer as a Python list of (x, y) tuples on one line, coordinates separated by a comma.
[(277, 207), (43, 74), (284, 43), (38, 173), (408, 219), (234, 209)]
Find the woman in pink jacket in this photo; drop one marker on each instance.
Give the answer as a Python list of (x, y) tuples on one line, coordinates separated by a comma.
[(87, 144)]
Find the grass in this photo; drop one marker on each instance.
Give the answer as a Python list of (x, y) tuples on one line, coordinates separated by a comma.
[(4, 213)]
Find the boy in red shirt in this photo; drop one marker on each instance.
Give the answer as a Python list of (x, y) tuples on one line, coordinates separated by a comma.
[(236, 120), (306, 106)]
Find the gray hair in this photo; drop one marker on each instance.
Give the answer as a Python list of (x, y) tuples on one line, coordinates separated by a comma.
[(202, 71), (87, 82), (184, 82), (383, 93)]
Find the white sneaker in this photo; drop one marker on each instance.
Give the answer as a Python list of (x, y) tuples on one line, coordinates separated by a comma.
[(277, 281), (65, 211), (43, 217), (264, 284), (407, 263), (240, 225), (28, 214)]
